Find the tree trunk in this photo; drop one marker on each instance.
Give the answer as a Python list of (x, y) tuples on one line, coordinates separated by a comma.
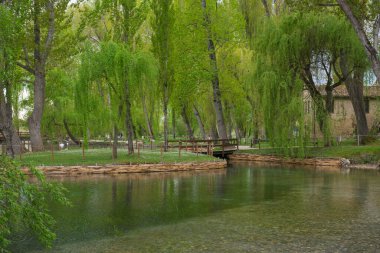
[(41, 53), (371, 51), (166, 132), (128, 119), (115, 142), (174, 124), (187, 123), (147, 119), (354, 87), (7, 128), (214, 132), (34, 121), (12, 140), (69, 133), (215, 76), (200, 123), (329, 100), (237, 133), (320, 109)]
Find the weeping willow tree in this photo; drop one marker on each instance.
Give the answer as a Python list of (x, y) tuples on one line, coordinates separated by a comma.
[(90, 97), (162, 42), (145, 89), (286, 53), (60, 118), (101, 88), (10, 23), (281, 96)]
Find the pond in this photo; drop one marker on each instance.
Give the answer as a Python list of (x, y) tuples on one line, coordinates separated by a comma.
[(243, 208)]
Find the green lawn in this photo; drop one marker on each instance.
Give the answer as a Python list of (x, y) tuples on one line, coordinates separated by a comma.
[(361, 154), (104, 156)]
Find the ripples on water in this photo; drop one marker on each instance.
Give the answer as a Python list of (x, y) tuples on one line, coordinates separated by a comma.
[(240, 209)]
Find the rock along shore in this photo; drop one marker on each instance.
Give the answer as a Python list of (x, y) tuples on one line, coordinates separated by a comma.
[(324, 162), (124, 168), (315, 162)]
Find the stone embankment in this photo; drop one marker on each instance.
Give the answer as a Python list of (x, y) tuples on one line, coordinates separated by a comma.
[(364, 166), (323, 162), (123, 168), (315, 162)]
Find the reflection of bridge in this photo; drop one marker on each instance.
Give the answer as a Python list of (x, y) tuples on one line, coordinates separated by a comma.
[(218, 148)]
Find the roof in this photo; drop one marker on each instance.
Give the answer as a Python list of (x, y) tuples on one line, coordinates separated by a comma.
[(341, 91)]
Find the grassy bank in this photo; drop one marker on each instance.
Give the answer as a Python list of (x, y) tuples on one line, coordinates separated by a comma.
[(358, 154), (104, 156)]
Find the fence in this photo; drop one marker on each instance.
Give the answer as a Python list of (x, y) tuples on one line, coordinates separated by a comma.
[(320, 142), (53, 148)]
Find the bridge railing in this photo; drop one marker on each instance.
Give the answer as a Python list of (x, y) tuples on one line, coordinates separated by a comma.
[(208, 146)]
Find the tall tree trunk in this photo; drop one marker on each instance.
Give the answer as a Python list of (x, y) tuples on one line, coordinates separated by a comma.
[(329, 101), (187, 123), (214, 132), (215, 76), (166, 130), (237, 132), (128, 119), (35, 118), (116, 134), (174, 124), (41, 53), (200, 123), (147, 119), (12, 140), (354, 87), (115, 141), (229, 129), (371, 51)]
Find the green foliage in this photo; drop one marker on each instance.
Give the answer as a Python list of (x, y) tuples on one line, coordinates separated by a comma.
[(285, 47), (23, 203), (103, 75), (9, 43), (59, 106)]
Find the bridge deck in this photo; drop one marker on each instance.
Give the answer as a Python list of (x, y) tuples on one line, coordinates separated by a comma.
[(216, 147)]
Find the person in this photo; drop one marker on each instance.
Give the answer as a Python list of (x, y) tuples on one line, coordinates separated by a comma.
[(67, 141)]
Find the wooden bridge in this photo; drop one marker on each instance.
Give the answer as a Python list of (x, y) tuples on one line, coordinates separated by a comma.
[(215, 147)]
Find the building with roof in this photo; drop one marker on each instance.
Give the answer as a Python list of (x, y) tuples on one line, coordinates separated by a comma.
[(343, 121)]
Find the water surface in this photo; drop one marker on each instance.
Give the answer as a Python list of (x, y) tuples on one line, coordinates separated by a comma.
[(241, 209)]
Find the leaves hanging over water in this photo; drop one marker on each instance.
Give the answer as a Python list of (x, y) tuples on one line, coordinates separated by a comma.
[(23, 203)]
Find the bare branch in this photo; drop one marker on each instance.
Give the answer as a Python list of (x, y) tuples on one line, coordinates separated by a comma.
[(26, 57), (376, 31), (369, 49), (26, 67)]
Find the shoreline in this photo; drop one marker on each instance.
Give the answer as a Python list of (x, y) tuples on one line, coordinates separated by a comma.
[(128, 168), (314, 162)]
